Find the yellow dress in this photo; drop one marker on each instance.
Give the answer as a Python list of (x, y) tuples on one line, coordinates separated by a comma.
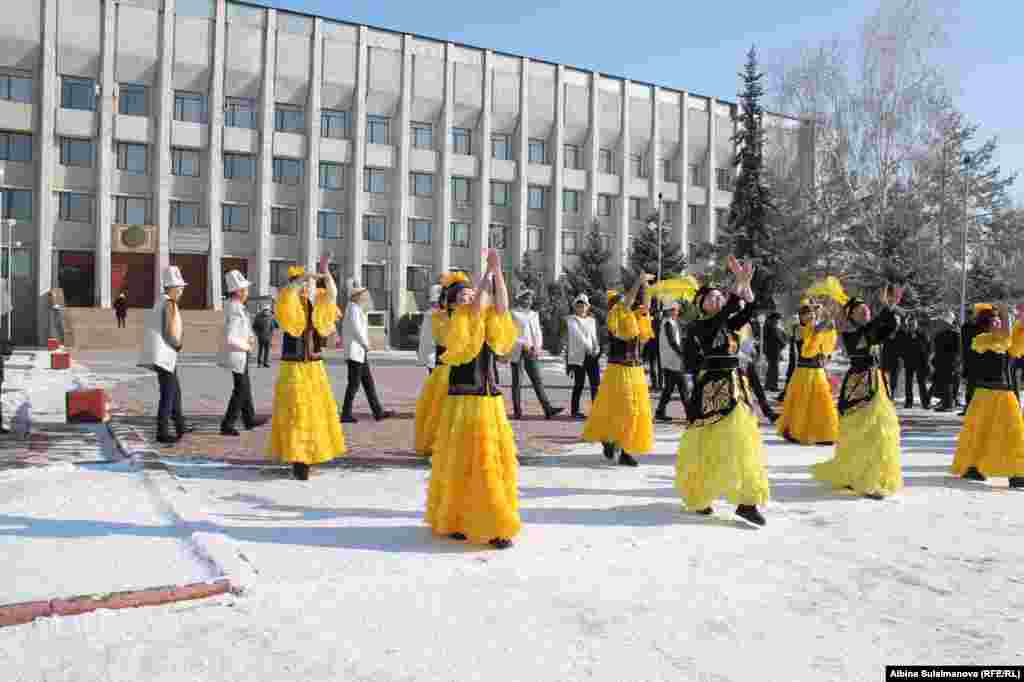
[(435, 389), (305, 426), (867, 455), (474, 472), (992, 437), (809, 413), (621, 414)]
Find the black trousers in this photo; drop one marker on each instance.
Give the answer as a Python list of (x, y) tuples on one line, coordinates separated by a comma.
[(789, 374), (653, 363), (170, 403), (772, 378), (944, 386), (590, 369), (755, 385), (359, 374), (528, 363), (241, 400), (263, 354), (673, 380), (892, 370), (921, 375), (121, 321)]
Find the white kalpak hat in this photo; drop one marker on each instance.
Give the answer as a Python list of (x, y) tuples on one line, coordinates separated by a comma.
[(172, 277), (435, 293), (582, 298), (234, 280)]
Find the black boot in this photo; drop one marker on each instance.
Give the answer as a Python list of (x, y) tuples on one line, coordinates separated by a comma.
[(1017, 482), (457, 536), (301, 471), (626, 459), (501, 543), (749, 513), (662, 417), (609, 450), (706, 511), (550, 412), (973, 474)]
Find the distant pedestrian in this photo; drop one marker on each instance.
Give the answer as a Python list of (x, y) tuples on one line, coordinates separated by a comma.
[(524, 355), (121, 310), (5, 350), (237, 344), (263, 326), (774, 341), (944, 364), (670, 347), (916, 357)]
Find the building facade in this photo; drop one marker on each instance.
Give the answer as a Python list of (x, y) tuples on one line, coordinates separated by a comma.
[(216, 135)]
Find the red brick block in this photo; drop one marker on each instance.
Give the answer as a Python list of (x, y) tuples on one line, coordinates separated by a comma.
[(60, 360), (25, 612)]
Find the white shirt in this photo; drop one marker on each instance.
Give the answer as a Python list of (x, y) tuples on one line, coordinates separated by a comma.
[(530, 335), (155, 350), (427, 348), (355, 334), (583, 341), (670, 359), (237, 330)]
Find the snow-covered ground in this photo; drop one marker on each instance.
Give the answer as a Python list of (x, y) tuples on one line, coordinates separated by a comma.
[(610, 580)]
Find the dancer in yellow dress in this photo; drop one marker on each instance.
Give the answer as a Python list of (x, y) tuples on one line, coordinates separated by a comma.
[(473, 492), (435, 389), (620, 418), (991, 442), (305, 428), (867, 456), (720, 452), (809, 415)]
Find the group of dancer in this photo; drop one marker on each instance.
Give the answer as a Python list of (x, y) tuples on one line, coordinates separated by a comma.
[(462, 425)]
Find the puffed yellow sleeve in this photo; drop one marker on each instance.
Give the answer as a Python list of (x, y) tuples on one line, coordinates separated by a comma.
[(502, 331), (325, 314), (1017, 340), (622, 323), (818, 343), (988, 341), (644, 326), (289, 313), (439, 322), (466, 332)]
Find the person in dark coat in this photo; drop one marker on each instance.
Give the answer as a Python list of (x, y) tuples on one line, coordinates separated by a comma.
[(121, 309), (5, 350), (652, 348), (916, 358), (968, 331), (804, 316), (892, 354), (945, 359), (774, 341), (263, 325)]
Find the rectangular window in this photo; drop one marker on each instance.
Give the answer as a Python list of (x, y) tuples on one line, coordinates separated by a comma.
[(328, 224), (184, 214), (131, 158), (375, 228), (332, 176), (16, 204), (723, 179), (235, 217), (189, 107), (76, 208), (497, 237), (375, 279), (289, 118), (422, 184), (637, 167), (668, 170), (694, 215), (460, 192), (15, 147), (131, 99), (420, 231), (460, 234), (78, 93), (501, 193), (501, 146), (534, 239), (288, 171), (668, 211), (536, 198), (16, 88), (131, 211), (279, 272), (283, 220), (606, 241), (377, 129), (570, 243), (538, 151), (721, 217), (422, 135), (573, 156), (417, 278), (570, 201), (374, 181), (462, 141), (239, 166), (696, 175), (240, 112), (335, 124), (636, 208), (604, 204), (76, 152), (185, 162), (606, 162)]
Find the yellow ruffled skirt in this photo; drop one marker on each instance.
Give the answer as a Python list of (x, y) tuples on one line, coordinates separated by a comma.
[(305, 426), (474, 471), (621, 414), (428, 408), (992, 437), (725, 459), (809, 414), (867, 456)]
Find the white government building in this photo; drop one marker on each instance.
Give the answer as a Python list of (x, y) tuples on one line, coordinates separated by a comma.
[(216, 135)]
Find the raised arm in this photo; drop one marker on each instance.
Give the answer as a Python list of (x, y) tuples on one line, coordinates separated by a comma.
[(630, 298)]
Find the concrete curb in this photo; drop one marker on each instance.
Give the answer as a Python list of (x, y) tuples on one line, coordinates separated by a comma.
[(26, 612)]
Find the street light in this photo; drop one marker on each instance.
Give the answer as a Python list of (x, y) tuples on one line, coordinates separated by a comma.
[(8, 246), (654, 223), (963, 262)]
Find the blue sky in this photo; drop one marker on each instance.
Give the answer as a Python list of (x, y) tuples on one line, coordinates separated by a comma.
[(699, 46)]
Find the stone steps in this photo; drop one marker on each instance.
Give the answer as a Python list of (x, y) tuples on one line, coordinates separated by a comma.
[(96, 329)]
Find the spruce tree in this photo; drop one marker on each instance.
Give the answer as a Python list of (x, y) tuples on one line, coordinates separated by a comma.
[(643, 254), (590, 275)]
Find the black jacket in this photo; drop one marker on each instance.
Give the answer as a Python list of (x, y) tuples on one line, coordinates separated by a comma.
[(263, 326), (947, 349), (967, 334), (774, 341), (917, 349)]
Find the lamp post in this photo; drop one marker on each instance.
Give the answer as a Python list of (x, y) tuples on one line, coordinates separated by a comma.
[(8, 246), (963, 262), (654, 223)]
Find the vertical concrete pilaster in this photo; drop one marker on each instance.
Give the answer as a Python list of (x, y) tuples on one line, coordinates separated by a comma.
[(622, 228), (681, 231), (215, 159), (712, 166), (479, 239), (553, 248), (45, 146), (399, 232), (259, 219), (593, 151), (518, 238), (105, 159), (311, 206), (160, 207), (443, 190), (355, 242)]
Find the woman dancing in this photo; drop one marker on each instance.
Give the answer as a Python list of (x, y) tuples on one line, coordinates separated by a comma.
[(435, 388), (809, 415)]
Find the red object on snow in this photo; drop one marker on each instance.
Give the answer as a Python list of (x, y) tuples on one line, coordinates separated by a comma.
[(52, 344), (60, 360), (91, 406)]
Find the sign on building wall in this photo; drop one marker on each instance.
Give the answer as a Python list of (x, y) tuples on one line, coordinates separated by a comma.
[(190, 240)]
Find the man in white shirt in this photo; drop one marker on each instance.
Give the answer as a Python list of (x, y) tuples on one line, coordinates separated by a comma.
[(670, 349), (582, 350), (427, 352), (524, 354), (355, 350), (234, 355)]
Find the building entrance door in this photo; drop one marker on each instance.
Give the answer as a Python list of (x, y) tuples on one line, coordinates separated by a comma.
[(76, 275), (133, 273), (193, 269)]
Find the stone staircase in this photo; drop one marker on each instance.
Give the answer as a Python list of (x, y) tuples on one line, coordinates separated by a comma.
[(96, 329)]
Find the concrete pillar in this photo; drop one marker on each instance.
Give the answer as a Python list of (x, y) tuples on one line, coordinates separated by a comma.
[(712, 165), (105, 159), (479, 236), (593, 151), (259, 217), (443, 189), (160, 207), (399, 232), (517, 241), (553, 248), (45, 147), (311, 207), (621, 250), (215, 160), (655, 172), (680, 228), (355, 242)]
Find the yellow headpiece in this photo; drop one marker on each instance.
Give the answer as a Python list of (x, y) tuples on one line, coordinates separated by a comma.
[(296, 271), (612, 295), (457, 277), (676, 289), (978, 307), (829, 287)]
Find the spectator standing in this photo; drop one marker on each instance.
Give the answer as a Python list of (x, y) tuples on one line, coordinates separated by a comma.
[(945, 359), (916, 358), (263, 325), (121, 310)]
